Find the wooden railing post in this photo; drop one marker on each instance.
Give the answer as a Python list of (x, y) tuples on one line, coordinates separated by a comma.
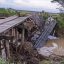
[(3, 51), (7, 49), (0, 48), (23, 32)]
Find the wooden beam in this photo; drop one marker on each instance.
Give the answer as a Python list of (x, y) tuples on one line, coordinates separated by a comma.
[(3, 50), (8, 50), (23, 34), (6, 37), (0, 48)]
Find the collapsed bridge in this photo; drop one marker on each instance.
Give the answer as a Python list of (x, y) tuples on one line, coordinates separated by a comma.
[(44, 36), (16, 29)]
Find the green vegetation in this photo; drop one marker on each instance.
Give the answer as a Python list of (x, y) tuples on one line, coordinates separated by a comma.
[(10, 12), (51, 61), (2, 61), (24, 13), (59, 1), (45, 62), (60, 24), (45, 15), (60, 19), (6, 12)]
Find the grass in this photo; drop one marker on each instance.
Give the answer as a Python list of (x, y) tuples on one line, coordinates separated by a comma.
[(10, 12), (2, 61), (7, 12), (50, 61), (60, 20), (45, 62)]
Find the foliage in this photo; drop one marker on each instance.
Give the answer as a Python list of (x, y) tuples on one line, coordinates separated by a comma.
[(45, 62), (59, 1), (2, 61), (10, 12), (45, 15), (7, 12), (60, 20), (51, 61), (24, 13)]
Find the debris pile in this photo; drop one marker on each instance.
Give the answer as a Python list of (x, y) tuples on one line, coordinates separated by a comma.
[(25, 53)]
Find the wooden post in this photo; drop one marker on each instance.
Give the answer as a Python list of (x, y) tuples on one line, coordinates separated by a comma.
[(0, 48), (22, 38), (17, 35), (12, 32), (7, 49), (16, 39), (3, 50), (23, 32)]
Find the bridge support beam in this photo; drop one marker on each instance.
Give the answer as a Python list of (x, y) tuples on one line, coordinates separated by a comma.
[(8, 50), (4, 46), (3, 49), (0, 48), (23, 34)]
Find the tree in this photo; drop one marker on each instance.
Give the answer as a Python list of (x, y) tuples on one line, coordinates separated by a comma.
[(60, 2)]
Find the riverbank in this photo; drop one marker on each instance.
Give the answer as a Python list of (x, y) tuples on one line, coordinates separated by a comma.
[(53, 51), (53, 46)]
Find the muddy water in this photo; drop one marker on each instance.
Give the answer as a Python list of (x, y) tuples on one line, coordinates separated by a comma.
[(53, 46)]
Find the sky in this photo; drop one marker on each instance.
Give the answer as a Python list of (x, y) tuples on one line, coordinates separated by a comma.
[(32, 5)]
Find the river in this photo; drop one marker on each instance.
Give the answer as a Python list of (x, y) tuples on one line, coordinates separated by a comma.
[(53, 46)]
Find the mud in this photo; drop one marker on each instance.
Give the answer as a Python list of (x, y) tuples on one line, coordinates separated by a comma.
[(53, 47)]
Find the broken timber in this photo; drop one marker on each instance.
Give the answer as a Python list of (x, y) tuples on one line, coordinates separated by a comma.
[(44, 36)]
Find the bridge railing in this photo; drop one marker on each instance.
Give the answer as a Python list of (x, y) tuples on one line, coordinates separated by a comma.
[(44, 36)]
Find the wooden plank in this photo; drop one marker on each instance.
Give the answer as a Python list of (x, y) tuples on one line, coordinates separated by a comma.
[(0, 48), (12, 23), (3, 50), (44, 36), (6, 37), (8, 19), (8, 50), (2, 18)]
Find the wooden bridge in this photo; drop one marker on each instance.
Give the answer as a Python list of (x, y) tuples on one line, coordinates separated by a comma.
[(10, 22), (9, 32)]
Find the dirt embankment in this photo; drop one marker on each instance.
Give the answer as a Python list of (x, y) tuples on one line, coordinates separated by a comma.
[(60, 32), (53, 51)]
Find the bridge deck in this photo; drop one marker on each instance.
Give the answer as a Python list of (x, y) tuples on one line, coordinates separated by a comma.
[(9, 23), (44, 36), (7, 19)]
